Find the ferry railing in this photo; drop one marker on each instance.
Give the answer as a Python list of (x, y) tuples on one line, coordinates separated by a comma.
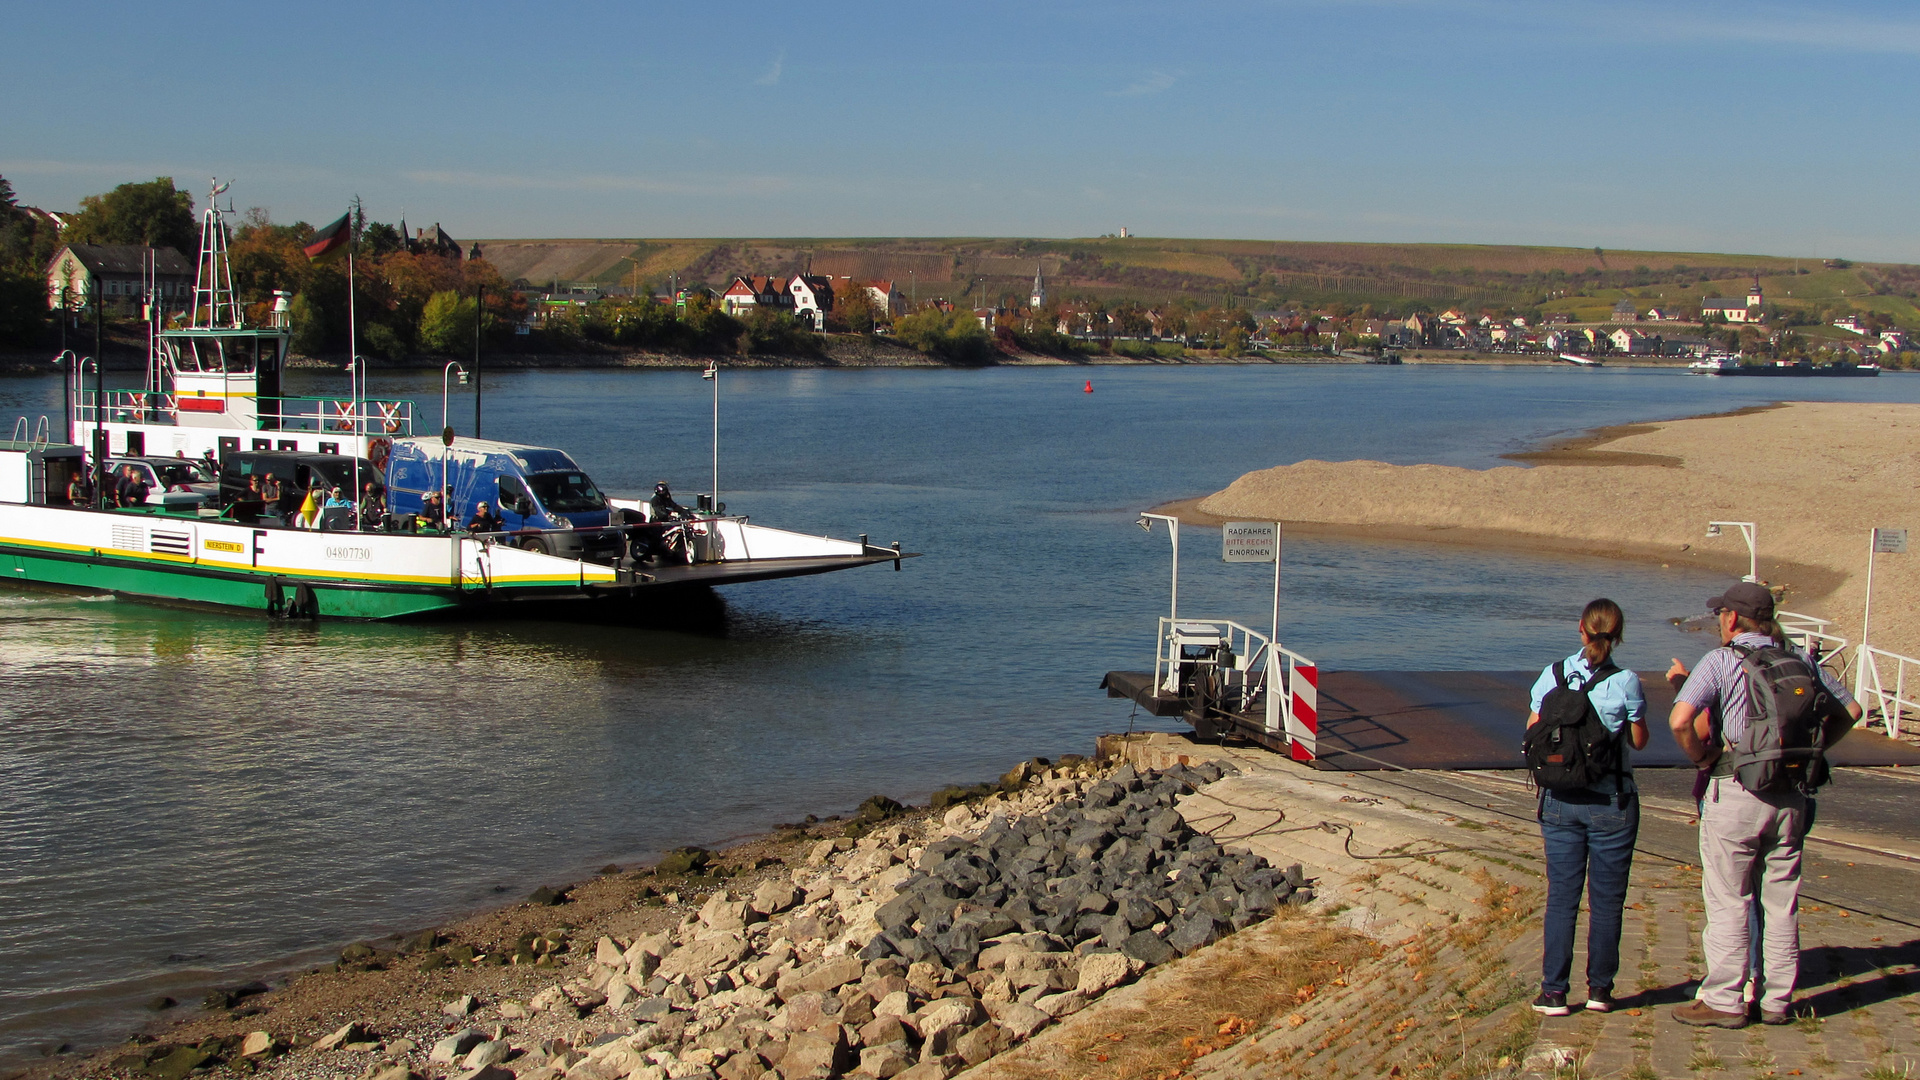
[(41, 434), (339, 416), (1239, 673), (704, 551), (124, 407), (1888, 692)]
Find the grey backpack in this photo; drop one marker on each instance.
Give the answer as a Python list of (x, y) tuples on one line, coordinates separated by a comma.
[(1783, 748)]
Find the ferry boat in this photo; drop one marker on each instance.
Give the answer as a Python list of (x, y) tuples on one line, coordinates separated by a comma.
[(213, 392), (1734, 365)]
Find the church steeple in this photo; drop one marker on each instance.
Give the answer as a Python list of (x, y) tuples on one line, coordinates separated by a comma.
[(1039, 298)]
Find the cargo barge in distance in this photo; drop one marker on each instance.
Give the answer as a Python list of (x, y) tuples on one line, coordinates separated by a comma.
[(212, 393)]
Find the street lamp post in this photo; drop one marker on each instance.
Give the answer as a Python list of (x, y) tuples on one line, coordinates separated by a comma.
[(446, 434), (66, 362), (99, 428), (712, 374), (479, 318), (1173, 530), (1747, 530)]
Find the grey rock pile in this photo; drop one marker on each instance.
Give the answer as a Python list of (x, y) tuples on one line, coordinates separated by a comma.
[(1118, 869)]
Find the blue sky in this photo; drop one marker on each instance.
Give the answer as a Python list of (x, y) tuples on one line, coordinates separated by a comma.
[(1740, 127)]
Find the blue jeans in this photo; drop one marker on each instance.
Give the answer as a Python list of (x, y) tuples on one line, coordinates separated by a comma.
[(1589, 842)]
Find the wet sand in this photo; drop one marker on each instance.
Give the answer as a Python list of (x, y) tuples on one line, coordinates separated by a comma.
[(1814, 477)]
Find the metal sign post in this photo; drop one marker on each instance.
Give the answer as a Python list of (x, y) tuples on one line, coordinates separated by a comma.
[(1890, 542), (1255, 542)]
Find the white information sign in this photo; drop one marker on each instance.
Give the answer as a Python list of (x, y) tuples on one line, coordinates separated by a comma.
[(1250, 541), (1890, 541)]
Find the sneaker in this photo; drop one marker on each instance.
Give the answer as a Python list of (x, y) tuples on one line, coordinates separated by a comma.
[(1600, 999), (1699, 1015), (1551, 1004), (1777, 1019)]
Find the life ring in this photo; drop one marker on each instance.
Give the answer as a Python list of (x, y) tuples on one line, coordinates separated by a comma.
[(378, 450)]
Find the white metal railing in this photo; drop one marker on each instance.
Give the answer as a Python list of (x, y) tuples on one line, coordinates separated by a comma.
[(1890, 697), (368, 416), (1813, 634), (1235, 654), (40, 435), (1294, 708)]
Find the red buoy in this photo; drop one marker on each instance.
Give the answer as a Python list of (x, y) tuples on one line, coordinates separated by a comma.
[(1089, 386)]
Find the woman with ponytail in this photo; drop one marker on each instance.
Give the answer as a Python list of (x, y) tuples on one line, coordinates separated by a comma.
[(1590, 831)]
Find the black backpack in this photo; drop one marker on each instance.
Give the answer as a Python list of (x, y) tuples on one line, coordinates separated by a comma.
[(1570, 748), (1783, 748)]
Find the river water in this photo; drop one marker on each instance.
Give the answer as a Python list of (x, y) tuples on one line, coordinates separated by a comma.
[(189, 799)]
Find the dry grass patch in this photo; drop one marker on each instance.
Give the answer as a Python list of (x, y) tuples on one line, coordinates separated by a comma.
[(1196, 1006)]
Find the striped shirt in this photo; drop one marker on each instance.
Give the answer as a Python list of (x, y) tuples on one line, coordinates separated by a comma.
[(1716, 685)]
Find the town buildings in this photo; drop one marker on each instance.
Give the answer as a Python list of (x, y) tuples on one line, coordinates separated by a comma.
[(121, 276)]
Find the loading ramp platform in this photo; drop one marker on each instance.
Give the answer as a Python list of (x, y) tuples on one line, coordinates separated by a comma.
[(1456, 720)]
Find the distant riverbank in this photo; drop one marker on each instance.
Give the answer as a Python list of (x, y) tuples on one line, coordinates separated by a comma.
[(839, 353)]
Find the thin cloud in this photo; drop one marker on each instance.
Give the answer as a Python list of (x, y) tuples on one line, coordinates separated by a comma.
[(1155, 83), (772, 77)]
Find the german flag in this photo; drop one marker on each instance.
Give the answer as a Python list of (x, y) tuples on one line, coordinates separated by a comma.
[(331, 240)]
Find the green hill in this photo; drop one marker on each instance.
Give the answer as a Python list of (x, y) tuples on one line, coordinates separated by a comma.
[(1391, 277)]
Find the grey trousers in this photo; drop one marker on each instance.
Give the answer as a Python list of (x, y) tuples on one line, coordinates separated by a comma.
[(1750, 846)]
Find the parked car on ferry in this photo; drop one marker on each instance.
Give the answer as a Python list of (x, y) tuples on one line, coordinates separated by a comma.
[(297, 472), (171, 481), (541, 495)]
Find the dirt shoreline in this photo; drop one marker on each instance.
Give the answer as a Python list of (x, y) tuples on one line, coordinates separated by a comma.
[(777, 949)]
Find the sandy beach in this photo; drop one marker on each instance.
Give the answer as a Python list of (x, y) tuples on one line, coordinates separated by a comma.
[(1814, 478)]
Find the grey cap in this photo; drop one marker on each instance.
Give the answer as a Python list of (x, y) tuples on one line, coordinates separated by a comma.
[(1748, 599)]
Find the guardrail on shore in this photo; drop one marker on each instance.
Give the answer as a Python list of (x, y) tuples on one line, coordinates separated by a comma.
[(1871, 684)]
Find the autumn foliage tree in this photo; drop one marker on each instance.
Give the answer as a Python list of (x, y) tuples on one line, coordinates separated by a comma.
[(153, 214)]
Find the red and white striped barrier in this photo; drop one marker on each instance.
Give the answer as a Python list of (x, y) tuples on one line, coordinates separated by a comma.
[(1303, 712)]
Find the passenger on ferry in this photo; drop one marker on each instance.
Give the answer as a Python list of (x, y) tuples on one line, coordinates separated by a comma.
[(269, 491), (373, 505), (662, 505), (79, 491), (132, 490), (431, 515), (484, 520), (337, 498)]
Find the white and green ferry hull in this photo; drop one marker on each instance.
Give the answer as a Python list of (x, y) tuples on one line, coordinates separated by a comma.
[(238, 565), (353, 575)]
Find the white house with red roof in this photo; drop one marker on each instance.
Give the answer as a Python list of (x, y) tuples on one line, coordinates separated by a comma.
[(756, 291)]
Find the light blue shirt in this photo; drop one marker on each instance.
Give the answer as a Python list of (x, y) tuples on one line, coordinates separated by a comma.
[(1617, 698)]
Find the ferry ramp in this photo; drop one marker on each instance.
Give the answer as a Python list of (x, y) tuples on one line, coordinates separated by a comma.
[(1452, 720)]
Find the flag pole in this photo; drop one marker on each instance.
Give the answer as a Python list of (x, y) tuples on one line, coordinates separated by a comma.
[(353, 344)]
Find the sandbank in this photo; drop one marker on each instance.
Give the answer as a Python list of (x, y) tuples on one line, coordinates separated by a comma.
[(1814, 477)]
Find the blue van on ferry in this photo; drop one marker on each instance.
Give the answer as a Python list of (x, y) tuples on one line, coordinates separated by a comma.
[(540, 494)]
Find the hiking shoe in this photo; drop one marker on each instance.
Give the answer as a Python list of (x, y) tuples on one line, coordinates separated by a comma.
[(1699, 1015), (1551, 1004), (1600, 999), (1777, 1019)]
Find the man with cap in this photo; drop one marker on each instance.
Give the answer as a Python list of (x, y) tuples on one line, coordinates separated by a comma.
[(1749, 844)]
